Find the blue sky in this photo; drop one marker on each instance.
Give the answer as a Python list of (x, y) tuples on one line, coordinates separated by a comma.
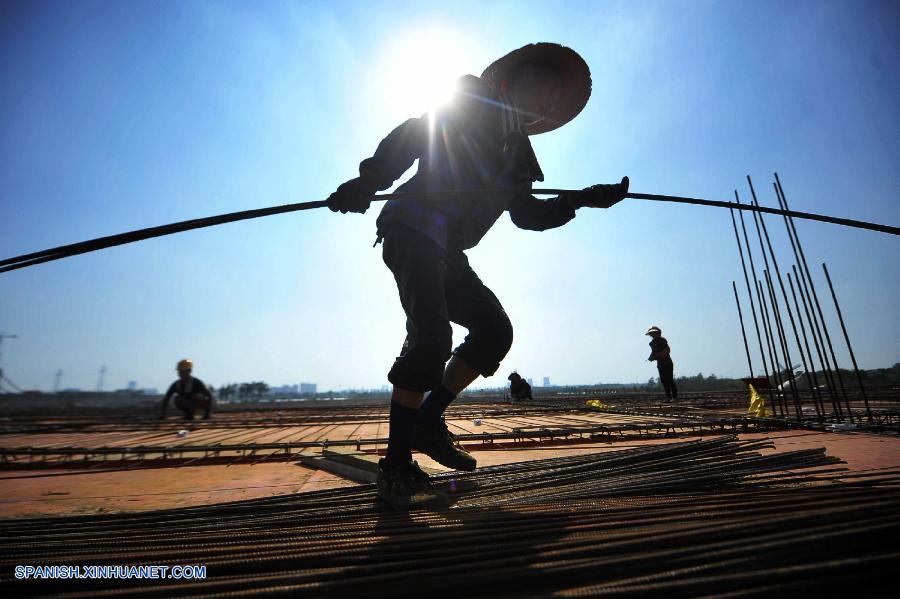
[(122, 115)]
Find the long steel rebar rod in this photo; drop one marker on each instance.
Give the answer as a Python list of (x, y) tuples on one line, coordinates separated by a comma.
[(770, 345), (837, 308), (774, 300), (760, 299), (74, 249), (814, 330), (752, 306), (819, 345), (802, 289), (744, 267), (815, 390), (775, 309), (805, 338), (782, 203), (743, 331)]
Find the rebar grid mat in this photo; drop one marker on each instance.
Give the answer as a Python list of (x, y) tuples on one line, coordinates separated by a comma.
[(158, 449), (710, 517), (242, 417), (885, 405)]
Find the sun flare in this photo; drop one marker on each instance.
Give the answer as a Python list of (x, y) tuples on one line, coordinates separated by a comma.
[(417, 72)]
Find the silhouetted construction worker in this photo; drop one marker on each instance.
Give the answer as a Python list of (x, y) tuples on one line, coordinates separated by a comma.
[(661, 354), (189, 392), (478, 141), (519, 388)]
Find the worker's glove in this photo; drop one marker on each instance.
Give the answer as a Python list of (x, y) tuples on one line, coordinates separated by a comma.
[(599, 196), (353, 196)]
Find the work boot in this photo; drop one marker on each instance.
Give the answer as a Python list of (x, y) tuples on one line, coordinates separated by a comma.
[(406, 487), (436, 441)]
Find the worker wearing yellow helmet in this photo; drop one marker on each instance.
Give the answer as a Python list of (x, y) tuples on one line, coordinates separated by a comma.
[(190, 393)]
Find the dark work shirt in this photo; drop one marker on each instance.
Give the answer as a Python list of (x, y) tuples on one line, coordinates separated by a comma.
[(186, 389), (657, 345), (459, 147), (520, 389)]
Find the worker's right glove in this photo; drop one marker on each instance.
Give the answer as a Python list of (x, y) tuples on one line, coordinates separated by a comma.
[(599, 196), (353, 196)]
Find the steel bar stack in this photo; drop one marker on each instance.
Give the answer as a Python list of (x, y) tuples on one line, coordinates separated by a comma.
[(713, 517)]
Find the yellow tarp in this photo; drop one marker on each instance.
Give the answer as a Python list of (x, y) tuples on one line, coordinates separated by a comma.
[(757, 405), (596, 403)]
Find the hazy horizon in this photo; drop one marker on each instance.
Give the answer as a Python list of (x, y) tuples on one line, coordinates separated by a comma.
[(537, 383)]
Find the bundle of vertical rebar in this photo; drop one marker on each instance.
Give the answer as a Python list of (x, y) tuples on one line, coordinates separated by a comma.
[(829, 397), (715, 517)]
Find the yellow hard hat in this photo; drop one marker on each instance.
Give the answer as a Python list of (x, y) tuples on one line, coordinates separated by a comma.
[(185, 364)]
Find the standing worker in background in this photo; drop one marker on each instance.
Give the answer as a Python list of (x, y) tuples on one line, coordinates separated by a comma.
[(190, 393), (661, 354), (477, 142)]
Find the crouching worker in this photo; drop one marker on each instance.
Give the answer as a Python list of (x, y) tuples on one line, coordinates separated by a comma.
[(519, 388), (479, 141), (191, 395)]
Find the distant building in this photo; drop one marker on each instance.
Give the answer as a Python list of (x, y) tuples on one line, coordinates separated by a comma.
[(284, 390), (530, 382), (546, 381), (132, 385), (308, 388)]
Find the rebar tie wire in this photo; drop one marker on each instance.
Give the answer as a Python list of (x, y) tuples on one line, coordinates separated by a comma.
[(100, 243)]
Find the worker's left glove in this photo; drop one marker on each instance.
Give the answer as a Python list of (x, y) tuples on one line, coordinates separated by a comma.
[(599, 196), (353, 196)]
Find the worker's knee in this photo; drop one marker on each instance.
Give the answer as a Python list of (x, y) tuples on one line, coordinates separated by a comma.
[(200, 400), (501, 335), (425, 352), (487, 344)]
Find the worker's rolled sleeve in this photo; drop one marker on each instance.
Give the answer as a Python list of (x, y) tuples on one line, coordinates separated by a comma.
[(533, 214)]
